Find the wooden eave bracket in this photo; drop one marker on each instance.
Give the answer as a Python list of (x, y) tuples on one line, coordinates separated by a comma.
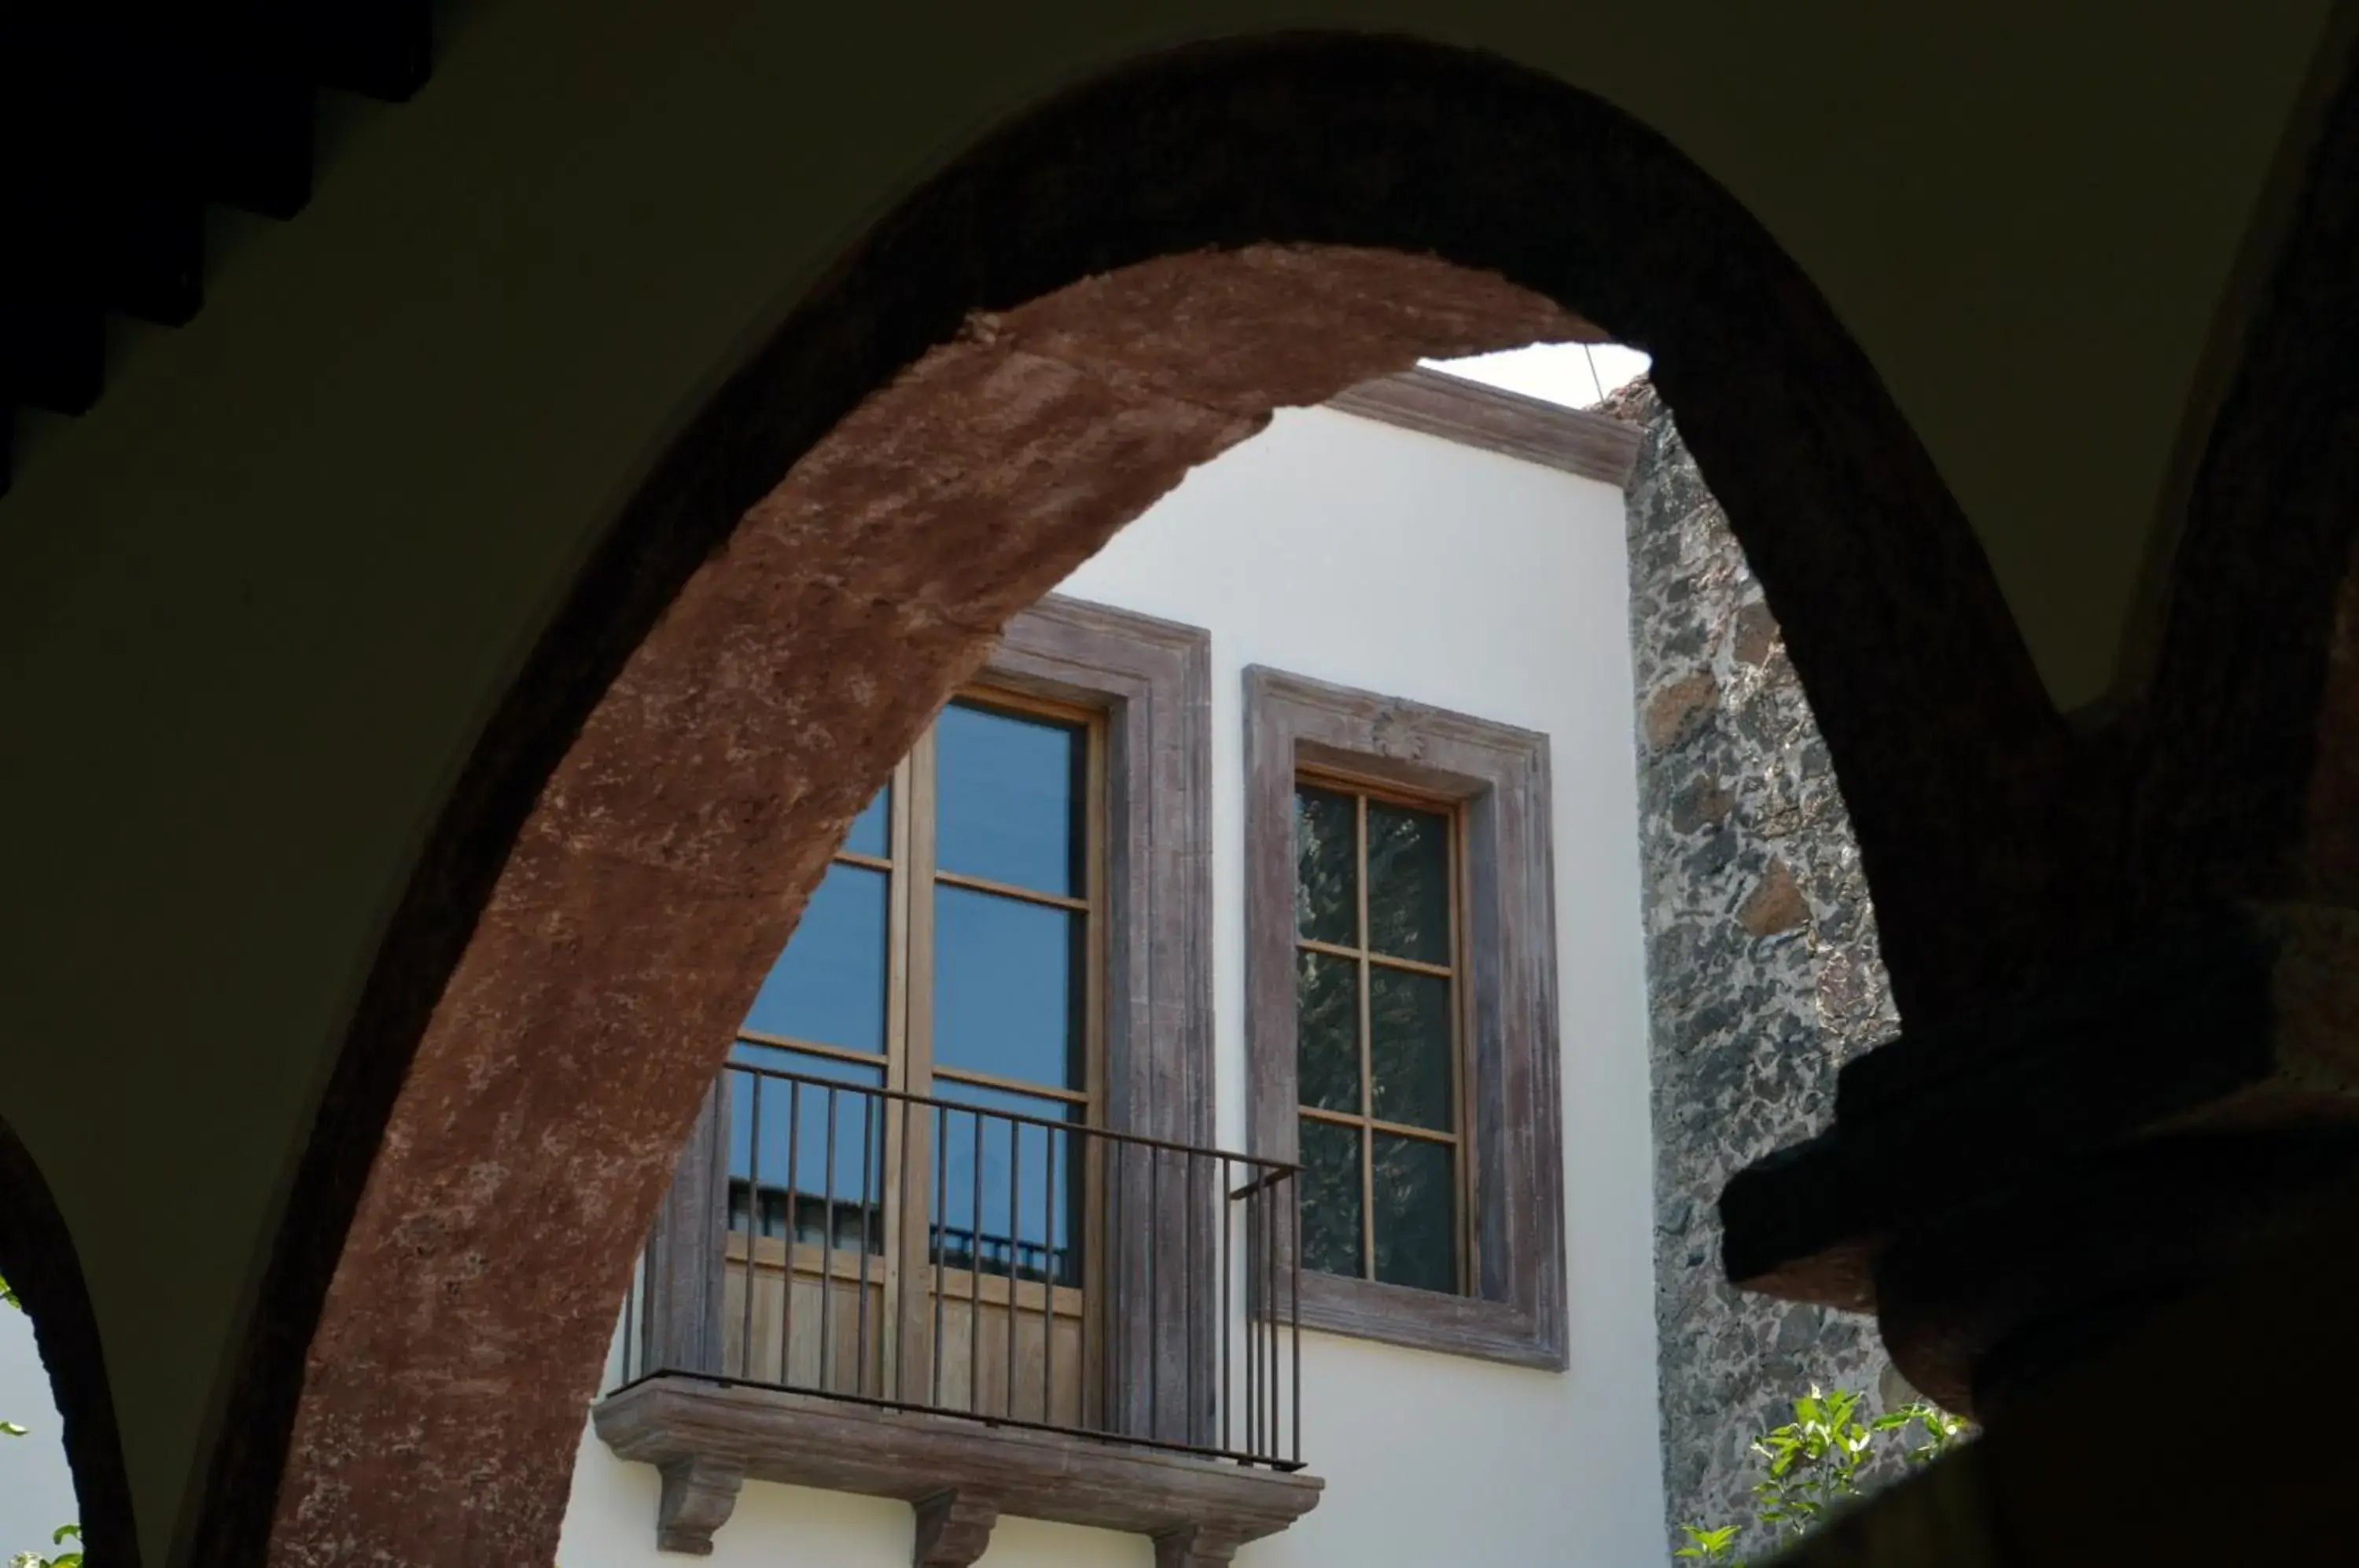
[(958, 1474), (953, 1528)]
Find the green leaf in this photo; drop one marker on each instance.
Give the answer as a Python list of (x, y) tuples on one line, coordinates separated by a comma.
[(1713, 1544), (64, 1533), (10, 1429)]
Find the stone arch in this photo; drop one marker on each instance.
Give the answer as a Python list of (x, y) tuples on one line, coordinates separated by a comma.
[(39, 1260), (2169, 1096), (1020, 359)]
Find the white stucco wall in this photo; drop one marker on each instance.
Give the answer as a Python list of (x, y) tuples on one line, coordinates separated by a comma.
[(1370, 556), (1358, 553)]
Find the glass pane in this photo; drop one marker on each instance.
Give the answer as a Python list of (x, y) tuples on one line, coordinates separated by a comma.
[(1327, 1031), (871, 830), (1408, 883), (1017, 1209), (1409, 1048), (1331, 1198), (829, 985), (1326, 849), (1009, 991), (779, 1152), (1009, 798), (1417, 1212)]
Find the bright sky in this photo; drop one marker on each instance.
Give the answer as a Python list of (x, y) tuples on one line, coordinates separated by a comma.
[(1575, 375)]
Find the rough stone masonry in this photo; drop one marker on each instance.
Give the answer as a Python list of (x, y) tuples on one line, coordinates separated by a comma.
[(1763, 972)]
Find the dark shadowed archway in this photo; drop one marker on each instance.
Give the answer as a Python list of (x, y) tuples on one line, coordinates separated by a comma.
[(2134, 1119), (1018, 361), (37, 1260)]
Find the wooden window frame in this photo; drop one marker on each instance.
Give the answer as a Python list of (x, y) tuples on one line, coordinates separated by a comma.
[(1364, 792), (1150, 680), (907, 1062), (1498, 776), (913, 864)]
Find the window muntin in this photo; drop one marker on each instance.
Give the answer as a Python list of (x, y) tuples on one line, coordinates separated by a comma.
[(981, 989), (1379, 1034)]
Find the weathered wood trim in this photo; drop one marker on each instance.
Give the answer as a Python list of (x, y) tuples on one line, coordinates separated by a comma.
[(689, 1426), (1595, 446), (1516, 1313), (1153, 678), (683, 1321), (1428, 1319)]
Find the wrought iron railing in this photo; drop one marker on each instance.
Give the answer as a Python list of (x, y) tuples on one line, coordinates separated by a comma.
[(937, 1254)]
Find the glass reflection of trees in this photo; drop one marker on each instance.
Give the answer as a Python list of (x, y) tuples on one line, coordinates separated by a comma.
[(1378, 1038)]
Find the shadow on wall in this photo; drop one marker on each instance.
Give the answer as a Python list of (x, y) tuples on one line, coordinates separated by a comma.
[(1762, 966)]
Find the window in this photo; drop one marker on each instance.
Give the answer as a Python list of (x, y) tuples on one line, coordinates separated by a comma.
[(1376, 1037), (1402, 1015), (953, 951), (953, 948), (1017, 923)]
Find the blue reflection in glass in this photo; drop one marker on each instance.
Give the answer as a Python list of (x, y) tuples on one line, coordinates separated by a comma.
[(1007, 987), (778, 1147), (871, 830), (1008, 799), (829, 984), (1007, 1213)]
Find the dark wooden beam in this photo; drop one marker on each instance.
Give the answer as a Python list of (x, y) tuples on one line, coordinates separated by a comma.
[(380, 49), (52, 353), (252, 132)]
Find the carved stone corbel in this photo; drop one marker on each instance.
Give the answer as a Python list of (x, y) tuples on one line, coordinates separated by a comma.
[(1198, 1546), (699, 1494), (953, 1528)]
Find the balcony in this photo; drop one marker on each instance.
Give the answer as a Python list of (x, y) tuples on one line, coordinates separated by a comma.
[(973, 1310)]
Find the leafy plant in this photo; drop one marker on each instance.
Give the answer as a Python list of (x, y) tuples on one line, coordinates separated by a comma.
[(1812, 1465), (1714, 1545), (58, 1536), (64, 1533)]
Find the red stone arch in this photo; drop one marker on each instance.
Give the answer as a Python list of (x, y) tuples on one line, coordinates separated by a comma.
[(1018, 361)]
